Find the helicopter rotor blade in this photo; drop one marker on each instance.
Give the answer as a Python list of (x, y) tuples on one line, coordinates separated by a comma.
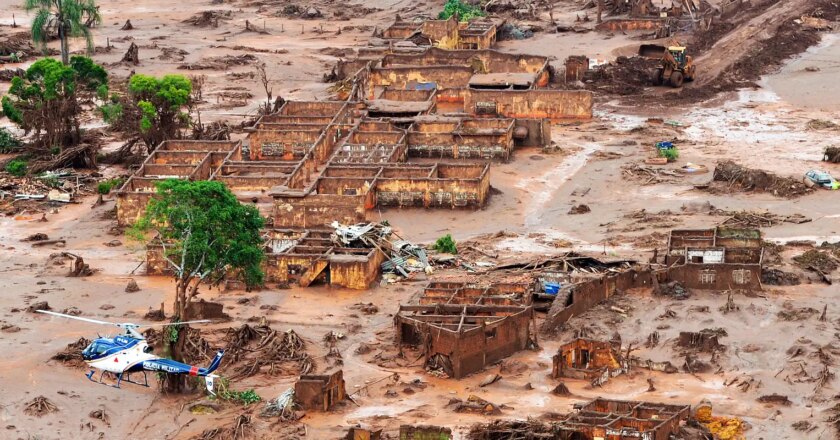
[(176, 323), (79, 318)]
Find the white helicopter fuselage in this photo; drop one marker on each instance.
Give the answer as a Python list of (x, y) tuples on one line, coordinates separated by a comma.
[(124, 359)]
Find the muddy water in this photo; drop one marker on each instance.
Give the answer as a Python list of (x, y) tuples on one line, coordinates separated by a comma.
[(812, 90)]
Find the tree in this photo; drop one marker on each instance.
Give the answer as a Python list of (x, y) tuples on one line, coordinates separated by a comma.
[(160, 104), (69, 18), (50, 97), (206, 236)]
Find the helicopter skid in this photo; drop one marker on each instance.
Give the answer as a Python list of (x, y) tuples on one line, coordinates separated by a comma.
[(121, 377)]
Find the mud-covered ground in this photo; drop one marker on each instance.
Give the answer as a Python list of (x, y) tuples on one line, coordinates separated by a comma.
[(775, 341)]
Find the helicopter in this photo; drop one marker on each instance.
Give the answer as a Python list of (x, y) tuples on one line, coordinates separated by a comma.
[(130, 353)]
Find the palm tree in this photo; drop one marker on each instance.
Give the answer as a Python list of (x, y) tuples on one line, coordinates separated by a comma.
[(70, 18)]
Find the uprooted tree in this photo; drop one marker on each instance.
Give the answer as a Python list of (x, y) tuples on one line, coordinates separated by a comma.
[(206, 236), (160, 105), (49, 99)]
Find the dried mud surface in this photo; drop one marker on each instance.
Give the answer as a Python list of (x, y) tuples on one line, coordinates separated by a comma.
[(775, 343)]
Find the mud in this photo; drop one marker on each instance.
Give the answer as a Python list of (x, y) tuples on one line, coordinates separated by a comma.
[(778, 346)]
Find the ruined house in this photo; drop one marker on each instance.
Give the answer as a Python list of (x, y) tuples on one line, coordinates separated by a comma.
[(715, 259), (463, 339), (320, 392), (599, 419), (588, 359), (575, 299), (481, 82), (446, 34), (172, 159), (303, 257), (466, 293)]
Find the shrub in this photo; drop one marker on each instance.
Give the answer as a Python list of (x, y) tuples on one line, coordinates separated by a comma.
[(8, 142), (671, 154), (16, 167), (111, 113), (246, 397), (106, 186), (461, 10), (446, 244)]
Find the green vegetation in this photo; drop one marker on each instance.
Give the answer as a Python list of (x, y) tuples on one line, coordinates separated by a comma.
[(8, 142), (206, 235), (446, 244), (671, 154), (245, 398), (68, 18), (16, 167), (461, 10), (159, 106), (48, 99), (106, 186), (112, 112)]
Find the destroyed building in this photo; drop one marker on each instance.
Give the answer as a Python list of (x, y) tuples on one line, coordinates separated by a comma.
[(462, 339), (715, 259), (598, 419), (345, 256), (588, 359), (312, 163), (172, 159), (320, 392), (465, 293)]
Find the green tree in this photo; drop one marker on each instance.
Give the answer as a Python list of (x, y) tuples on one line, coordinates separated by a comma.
[(50, 97), (206, 236), (462, 10), (160, 104), (68, 18)]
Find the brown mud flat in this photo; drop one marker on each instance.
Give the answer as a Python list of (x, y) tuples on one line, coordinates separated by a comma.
[(773, 347)]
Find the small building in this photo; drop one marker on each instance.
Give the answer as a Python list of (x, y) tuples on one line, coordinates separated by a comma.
[(307, 257), (463, 339), (716, 259), (624, 420), (320, 392), (588, 359)]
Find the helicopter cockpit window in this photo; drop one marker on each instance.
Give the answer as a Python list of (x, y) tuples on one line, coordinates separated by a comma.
[(94, 350)]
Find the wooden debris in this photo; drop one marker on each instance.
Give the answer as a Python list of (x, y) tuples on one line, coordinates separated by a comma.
[(39, 407), (648, 175)]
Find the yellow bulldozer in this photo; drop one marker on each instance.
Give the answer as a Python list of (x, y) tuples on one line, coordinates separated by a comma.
[(676, 66)]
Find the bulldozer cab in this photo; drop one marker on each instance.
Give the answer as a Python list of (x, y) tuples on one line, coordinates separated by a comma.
[(678, 53)]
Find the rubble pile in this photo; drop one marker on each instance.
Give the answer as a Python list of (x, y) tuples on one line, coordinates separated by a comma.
[(71, 356), (223, 62), (626, 76), (208, 18), (748, 179), (40, 406), (261, 349), (757, 219)]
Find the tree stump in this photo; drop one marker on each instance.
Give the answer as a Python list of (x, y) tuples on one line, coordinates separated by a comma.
[(132, 55)]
